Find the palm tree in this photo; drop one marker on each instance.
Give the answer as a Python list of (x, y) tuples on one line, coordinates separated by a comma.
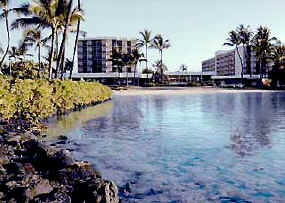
[(42, 14), (160, 44), (262, 46), (76, 39), (135, 57), (246, 38), (34, 37), (1, 50), (117, 62), (234, 39), (66, 8), (17, 53), (160, 68), (71, 18), (4, 5), (145, 41), (277, 54), (183, 68)]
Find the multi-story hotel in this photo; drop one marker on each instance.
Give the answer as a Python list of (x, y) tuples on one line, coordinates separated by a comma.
[(94, 54), (209, 66), (227, 63)]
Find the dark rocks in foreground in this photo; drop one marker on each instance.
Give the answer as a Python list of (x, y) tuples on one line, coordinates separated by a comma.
[(31, 171)]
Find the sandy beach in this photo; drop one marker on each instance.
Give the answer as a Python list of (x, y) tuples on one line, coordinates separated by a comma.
[(183, 90)]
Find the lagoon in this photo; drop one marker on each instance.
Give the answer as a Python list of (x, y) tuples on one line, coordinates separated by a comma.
[(185, 148)]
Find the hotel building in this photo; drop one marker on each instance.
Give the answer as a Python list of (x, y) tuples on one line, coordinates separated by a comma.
[(209, 66), (94, 54), (227, 63)]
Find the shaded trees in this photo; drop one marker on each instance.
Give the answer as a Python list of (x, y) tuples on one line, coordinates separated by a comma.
[(160, 44)]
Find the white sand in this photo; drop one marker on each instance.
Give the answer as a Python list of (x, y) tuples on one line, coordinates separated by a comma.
[(182, 90)]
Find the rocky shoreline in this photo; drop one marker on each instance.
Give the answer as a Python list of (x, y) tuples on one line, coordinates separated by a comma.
[(31, 170)]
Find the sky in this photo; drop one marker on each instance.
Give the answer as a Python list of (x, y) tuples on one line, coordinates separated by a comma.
[(196, 28)]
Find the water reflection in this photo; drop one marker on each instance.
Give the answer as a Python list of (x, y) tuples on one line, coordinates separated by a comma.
[(249, 116), (190, 148), (67, 123)]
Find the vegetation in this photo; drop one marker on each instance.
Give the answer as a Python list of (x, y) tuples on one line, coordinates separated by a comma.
[(160, 44), (145, 41), (45, 24), (5, 14), (234, 39), (34, 100), (263, 45), (267, 49)]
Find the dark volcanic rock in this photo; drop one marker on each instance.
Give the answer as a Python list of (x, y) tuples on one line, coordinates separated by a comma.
[(31, 171)]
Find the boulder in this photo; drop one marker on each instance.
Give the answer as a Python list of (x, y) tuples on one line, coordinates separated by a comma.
[(42, 187)]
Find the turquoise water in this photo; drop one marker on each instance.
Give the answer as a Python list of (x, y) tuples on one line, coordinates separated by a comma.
[(189, 148)]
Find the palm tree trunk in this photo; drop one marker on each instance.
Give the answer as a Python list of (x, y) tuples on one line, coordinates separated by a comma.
[(241, 62), (62, 64), (56, 43), (8, 38), (64, 36), (76, 41), (51, 53), (248, 50), (260, 68), (146, 56), (39, 58), (161, 66), (146, 65), (135, 74)]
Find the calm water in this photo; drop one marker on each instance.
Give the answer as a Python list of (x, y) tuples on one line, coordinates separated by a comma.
[(187, 148)]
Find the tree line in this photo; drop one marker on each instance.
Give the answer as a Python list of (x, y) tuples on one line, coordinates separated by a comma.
[(46, 25), (260, 43), (159, 43)]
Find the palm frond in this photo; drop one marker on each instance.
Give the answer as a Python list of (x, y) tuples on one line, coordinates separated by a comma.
[(26, 22)]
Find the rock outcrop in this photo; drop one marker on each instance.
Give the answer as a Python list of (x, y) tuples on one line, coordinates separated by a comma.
[(31, 171)]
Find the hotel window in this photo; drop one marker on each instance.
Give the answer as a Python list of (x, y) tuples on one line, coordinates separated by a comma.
[(119, 43), (114, 43)]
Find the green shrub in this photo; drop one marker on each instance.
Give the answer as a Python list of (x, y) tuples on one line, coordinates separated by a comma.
[(34, 100)]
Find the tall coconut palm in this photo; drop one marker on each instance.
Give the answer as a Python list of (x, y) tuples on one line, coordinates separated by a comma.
[(34, 37), (42, 14), (262, 46), (135, 57), (71, 18), (145, 41), (234, 39), (160, 44), (66, 8), (4, 5), (246, 38), (76, 39)]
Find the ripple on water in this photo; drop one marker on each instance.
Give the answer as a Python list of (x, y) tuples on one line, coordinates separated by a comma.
[(189, 148)]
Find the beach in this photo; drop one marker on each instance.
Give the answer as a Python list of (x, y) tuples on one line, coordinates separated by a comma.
[(134, 91)]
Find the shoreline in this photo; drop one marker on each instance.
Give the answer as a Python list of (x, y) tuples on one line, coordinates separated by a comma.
[(136, 91), (32, 169)]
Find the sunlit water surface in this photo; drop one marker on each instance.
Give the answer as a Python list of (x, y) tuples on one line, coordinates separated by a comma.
[(186, 148)]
